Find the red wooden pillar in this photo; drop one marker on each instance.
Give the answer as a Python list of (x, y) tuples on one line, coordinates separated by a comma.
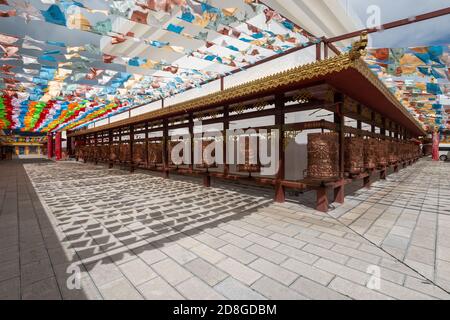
[(280, 194), (50, 145), (166, 148), (435, 146), (339, 119), (58, 146), (226, 126), (207, 180)]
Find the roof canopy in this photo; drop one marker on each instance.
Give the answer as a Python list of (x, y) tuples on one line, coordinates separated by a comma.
[(83, 61), (419, 78)]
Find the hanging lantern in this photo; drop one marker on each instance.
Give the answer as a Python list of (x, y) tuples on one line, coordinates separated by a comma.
[(323, 155), (354, 155)]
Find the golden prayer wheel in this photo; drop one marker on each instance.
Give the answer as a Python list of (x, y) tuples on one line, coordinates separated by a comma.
[(124, 152), (354, 155), (139, 153), (323, 155), (204, 164), (383, 152), (250, 156), (155, 152), (370, 153)]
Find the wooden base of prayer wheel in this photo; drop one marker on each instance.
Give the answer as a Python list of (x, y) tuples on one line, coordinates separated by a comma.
[(323, 155), (354, 155)]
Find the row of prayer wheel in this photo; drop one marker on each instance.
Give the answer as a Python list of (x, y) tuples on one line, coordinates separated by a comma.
[(120, 152), (360, 154)]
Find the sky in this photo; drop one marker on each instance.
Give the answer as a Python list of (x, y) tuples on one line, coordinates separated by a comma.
[(431, 32)]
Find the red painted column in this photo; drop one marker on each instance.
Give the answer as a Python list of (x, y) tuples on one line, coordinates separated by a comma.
[(435, 148), (49, 145), (58, 146)]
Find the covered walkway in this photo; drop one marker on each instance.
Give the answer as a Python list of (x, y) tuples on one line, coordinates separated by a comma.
[(131, 238)]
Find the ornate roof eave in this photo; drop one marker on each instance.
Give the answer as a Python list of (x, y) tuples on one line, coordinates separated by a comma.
[(285, 79)]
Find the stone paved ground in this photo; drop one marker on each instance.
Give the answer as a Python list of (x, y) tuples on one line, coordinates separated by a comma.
[(408, 216), (138, 236)]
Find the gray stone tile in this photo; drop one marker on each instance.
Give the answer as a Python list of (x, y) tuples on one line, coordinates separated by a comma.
[(172, 272), (158, 289), (239, 271), (314, 290), (308, 271), (137, 272), (10, 289), (274, 271), (206, 271), (120, 289), (356, 291), (238, 254), (275, 291), (196, 289), (46, 289), (235, 290), (267, 254)]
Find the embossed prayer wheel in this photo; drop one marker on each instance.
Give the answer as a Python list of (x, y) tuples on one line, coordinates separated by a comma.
[(250, 157), (96, 152), (427, 149), (79, 152), (401, 148), (139, 153), (114, 152), (392, 156), (370, 153), (354, 155), (204, 163), (124, 152), (383, 151), (155, 152), (105, 153), (323, 155), (89, 152), (172, 145)]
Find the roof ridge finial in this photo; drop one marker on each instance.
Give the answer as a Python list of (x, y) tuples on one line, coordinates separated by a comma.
[(359, 47)]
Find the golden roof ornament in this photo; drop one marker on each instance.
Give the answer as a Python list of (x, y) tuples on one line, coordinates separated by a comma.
[(359, 47)]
